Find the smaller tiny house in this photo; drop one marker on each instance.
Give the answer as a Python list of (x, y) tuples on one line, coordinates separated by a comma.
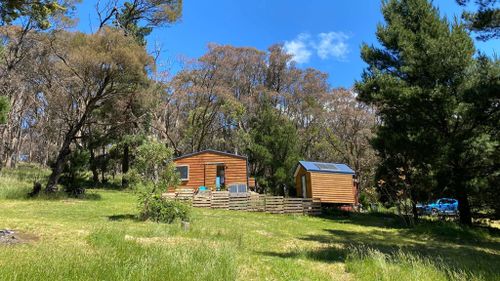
[(213, 169), (330, 182)]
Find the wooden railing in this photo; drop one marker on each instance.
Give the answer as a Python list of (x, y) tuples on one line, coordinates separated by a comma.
[(251, 202)]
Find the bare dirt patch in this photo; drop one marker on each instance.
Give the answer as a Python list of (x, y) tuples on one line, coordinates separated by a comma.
[(12, 237)]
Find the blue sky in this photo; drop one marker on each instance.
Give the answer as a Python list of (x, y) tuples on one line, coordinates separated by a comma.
[(323, 34)]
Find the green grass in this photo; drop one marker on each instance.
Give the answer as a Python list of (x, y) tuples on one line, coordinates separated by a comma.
[(100, 239)]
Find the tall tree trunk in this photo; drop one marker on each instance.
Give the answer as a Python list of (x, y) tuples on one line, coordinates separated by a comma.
[(125, 165), (3, 129), (63, 154), (59, 164), (414, 211), (103, 165), (93, 167), (464, 207)]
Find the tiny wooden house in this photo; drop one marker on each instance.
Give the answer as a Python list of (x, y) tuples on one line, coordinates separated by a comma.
[(211, 168), (330, 182)]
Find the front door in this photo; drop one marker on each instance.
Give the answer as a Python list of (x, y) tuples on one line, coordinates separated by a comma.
[(220, 178), (304, 186)]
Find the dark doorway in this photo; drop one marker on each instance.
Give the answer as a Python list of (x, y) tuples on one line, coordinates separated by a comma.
[(220, 180)]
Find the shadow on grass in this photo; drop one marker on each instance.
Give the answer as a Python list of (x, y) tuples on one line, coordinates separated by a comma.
[(328, 254), (108, 185), (372, 219), (124, 217), (61, 195), (481, 258), (438, 230)]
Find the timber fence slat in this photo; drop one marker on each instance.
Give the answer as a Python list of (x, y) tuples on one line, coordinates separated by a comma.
[(257, 203), (293, 206), (220, 200), (312, 206), (251, 202), (202, 201), (274, 204), (185, 194), (238, 201)]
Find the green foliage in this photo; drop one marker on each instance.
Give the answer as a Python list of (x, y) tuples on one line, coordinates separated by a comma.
[(74, 172), (273, 149), (4, 109), (485, 21), (138, 18), (153, 165), (38, 11), (423, 83), (153, 168), (158, 209)]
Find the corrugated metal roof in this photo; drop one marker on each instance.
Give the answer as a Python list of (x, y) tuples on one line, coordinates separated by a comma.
[(323, 167)]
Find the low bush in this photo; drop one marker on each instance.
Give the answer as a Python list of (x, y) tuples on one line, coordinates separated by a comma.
[(158, 209), (12, 188)]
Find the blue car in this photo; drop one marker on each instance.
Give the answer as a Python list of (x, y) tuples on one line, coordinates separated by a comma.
[(442, 207)]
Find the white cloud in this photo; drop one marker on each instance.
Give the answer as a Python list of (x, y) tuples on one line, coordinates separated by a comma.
[(332, 45), (299, 48), (326, 45)]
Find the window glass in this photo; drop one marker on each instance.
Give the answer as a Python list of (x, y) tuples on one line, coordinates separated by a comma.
[(183, 172), (242, 188), (233, 188)]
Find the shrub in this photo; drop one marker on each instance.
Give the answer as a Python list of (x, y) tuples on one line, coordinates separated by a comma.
[(158, 209), (73, 176)]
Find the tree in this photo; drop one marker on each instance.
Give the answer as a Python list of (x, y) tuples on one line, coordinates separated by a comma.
[(348, 128), (39, 12), (154, 166), (4, 110), (138, 18), (90, 71), (273, 150), (486, 21), (416, 82)]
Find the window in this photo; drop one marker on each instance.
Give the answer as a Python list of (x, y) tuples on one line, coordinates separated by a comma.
[(183, 172), (237, 188)]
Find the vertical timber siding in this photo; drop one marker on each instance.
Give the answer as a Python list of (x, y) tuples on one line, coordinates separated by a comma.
[(202, 169), (298, 182)]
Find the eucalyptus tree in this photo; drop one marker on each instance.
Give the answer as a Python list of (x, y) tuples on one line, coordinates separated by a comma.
[(20, 21), (136, 19), (348, 127), (38, 12), (88, 72)]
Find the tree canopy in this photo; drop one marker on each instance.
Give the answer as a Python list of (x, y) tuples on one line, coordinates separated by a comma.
[(38, 11), (431, 123), (486, 20)]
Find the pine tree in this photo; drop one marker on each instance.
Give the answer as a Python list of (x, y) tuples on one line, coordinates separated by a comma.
[(417, 80)]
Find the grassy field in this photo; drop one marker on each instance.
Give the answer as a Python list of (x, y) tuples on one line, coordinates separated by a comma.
[(98, 238)]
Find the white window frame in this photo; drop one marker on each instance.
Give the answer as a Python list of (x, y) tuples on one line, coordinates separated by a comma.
[(184, 179)]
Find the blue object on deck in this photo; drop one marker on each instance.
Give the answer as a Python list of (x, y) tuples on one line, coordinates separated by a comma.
[(217, 182), (202, 188)]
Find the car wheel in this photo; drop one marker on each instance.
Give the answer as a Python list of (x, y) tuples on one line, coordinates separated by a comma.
[(434, 212)]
